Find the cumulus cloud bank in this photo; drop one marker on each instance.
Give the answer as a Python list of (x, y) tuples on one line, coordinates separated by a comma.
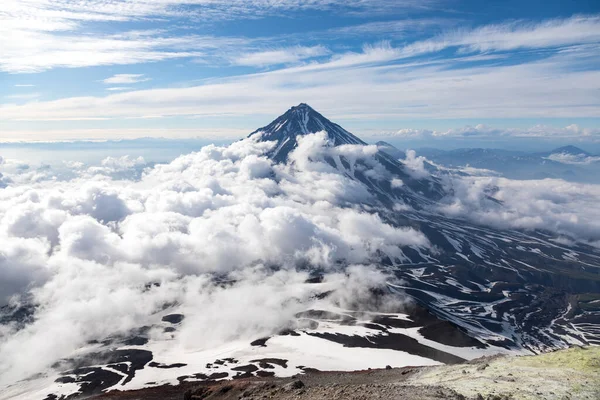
[(575, 159), (222, 235), (225, 237), (566, 209)]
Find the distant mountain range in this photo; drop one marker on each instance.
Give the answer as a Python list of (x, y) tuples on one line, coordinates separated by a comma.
[(569, 162)]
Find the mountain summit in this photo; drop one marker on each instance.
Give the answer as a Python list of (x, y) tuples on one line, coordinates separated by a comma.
[(572, 150), (301, 120)]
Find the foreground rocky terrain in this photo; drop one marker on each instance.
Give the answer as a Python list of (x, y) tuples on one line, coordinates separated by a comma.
[(565, 374)]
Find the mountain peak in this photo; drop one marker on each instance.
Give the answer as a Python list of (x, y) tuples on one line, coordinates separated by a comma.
[(302, 106), (569, 150), (298, 121)]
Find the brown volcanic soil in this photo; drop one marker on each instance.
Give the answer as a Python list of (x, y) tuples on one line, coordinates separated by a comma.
[(372, 384)]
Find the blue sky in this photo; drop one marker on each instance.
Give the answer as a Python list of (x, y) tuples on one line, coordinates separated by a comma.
[(404, 70)]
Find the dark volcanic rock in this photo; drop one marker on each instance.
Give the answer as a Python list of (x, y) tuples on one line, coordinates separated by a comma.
[(166, 366), (260, 342), (136, 341), (124, 368), (448, 333), (93, 380), (297, 384), (393, 341), (173, 318), (245, 368), (327, 315), (276, 361), (290, 332)]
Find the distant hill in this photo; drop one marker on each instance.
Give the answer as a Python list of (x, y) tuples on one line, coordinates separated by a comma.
[(572, 150)]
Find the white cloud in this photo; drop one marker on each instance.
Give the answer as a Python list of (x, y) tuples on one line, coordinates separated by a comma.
[(395, 29), (100, 134), (37, 35), (575, 159), (391, 83), (399, 91), (119, 79), (89, 250), (551, 33), (124, 167), (102, 256), (524, 34), (560, 207), (483, 131), (119, 88), (65, 11), (23, 96), (37, 51), (281, 56), (55, 34), (415, 164)]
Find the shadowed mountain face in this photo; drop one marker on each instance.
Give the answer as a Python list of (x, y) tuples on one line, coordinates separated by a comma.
[(391, 149)]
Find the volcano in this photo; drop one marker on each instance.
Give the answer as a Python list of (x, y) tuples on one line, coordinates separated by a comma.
[(301, 120)]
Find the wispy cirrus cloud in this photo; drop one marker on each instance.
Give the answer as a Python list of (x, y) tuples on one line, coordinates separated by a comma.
[(56, 34), (281, 56), (422, 88), (574, 159), (23, 96), (38, 35), (38, 51), (524, 34), (118, 88), (119, 79), (66, 11), (392, 29), (33, 136), (513, 35)]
